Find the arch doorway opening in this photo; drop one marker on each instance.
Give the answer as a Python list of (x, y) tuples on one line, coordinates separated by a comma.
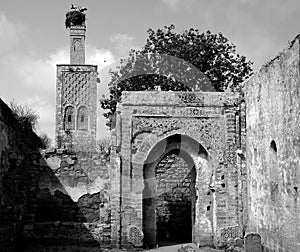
[(169, 195), (175, 196)]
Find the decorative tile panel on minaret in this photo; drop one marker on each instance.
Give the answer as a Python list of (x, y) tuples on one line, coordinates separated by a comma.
[(76, 92)]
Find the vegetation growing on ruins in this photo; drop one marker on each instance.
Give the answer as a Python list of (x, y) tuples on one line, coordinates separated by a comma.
[(27, 117), (104, 145), (45, 141), (24, 114), (213, 54)]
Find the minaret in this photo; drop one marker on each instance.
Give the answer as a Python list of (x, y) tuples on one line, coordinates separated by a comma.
[(76, 92), (77, 44)]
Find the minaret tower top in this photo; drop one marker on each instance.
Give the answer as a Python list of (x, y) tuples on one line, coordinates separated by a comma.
[(76, 92), (75, 21)]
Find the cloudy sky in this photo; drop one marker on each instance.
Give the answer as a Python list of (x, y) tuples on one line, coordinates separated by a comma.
[(33, 38)]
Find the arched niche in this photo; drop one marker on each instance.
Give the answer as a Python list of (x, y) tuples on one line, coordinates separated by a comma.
[(69, 118), (82, 118), (274, 171), (77, 45)]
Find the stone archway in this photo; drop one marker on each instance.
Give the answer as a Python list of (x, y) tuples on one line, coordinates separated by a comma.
[(172, 185), (146, 123)]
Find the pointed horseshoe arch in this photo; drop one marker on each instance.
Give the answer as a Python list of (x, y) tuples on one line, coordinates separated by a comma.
[(200, 171)]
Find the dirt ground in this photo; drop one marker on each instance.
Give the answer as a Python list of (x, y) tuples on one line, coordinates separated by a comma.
[(181, 248), (174, 248), (190, 247)]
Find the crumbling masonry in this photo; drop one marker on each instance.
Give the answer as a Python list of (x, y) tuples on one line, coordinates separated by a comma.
[(201, 167)]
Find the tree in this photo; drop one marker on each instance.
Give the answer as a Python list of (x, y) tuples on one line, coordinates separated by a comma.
[(212, 54)]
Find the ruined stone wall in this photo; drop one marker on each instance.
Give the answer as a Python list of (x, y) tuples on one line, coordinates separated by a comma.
[(56, 197), (18, 151), (273, 147), (73, 203)]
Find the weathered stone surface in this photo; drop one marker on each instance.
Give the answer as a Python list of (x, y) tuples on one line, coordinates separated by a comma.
[(206, 129), (253, 243), (76, 108), (135, 236), (52, 195), (18, 157), (77, 47), (175, 195), (238, 242), (54, 162), (186, 248), (229, 234), (272, 98)]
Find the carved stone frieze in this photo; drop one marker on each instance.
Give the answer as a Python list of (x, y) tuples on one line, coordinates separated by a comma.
[(188, 97), (201, 99), (208, 131), (179, 111)]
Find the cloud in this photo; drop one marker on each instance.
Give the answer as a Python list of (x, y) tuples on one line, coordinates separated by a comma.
[(173, 4), (10, 33), (101, 57), (123, 43), (35, 72)]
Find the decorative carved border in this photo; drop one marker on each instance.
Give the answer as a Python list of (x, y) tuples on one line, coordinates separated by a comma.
[(178, 111), (209, 130)]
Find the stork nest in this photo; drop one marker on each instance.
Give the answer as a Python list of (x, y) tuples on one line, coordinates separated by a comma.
[(74, 18)]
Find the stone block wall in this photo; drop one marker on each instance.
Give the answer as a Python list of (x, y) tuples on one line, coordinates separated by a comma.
[(273, 151)]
